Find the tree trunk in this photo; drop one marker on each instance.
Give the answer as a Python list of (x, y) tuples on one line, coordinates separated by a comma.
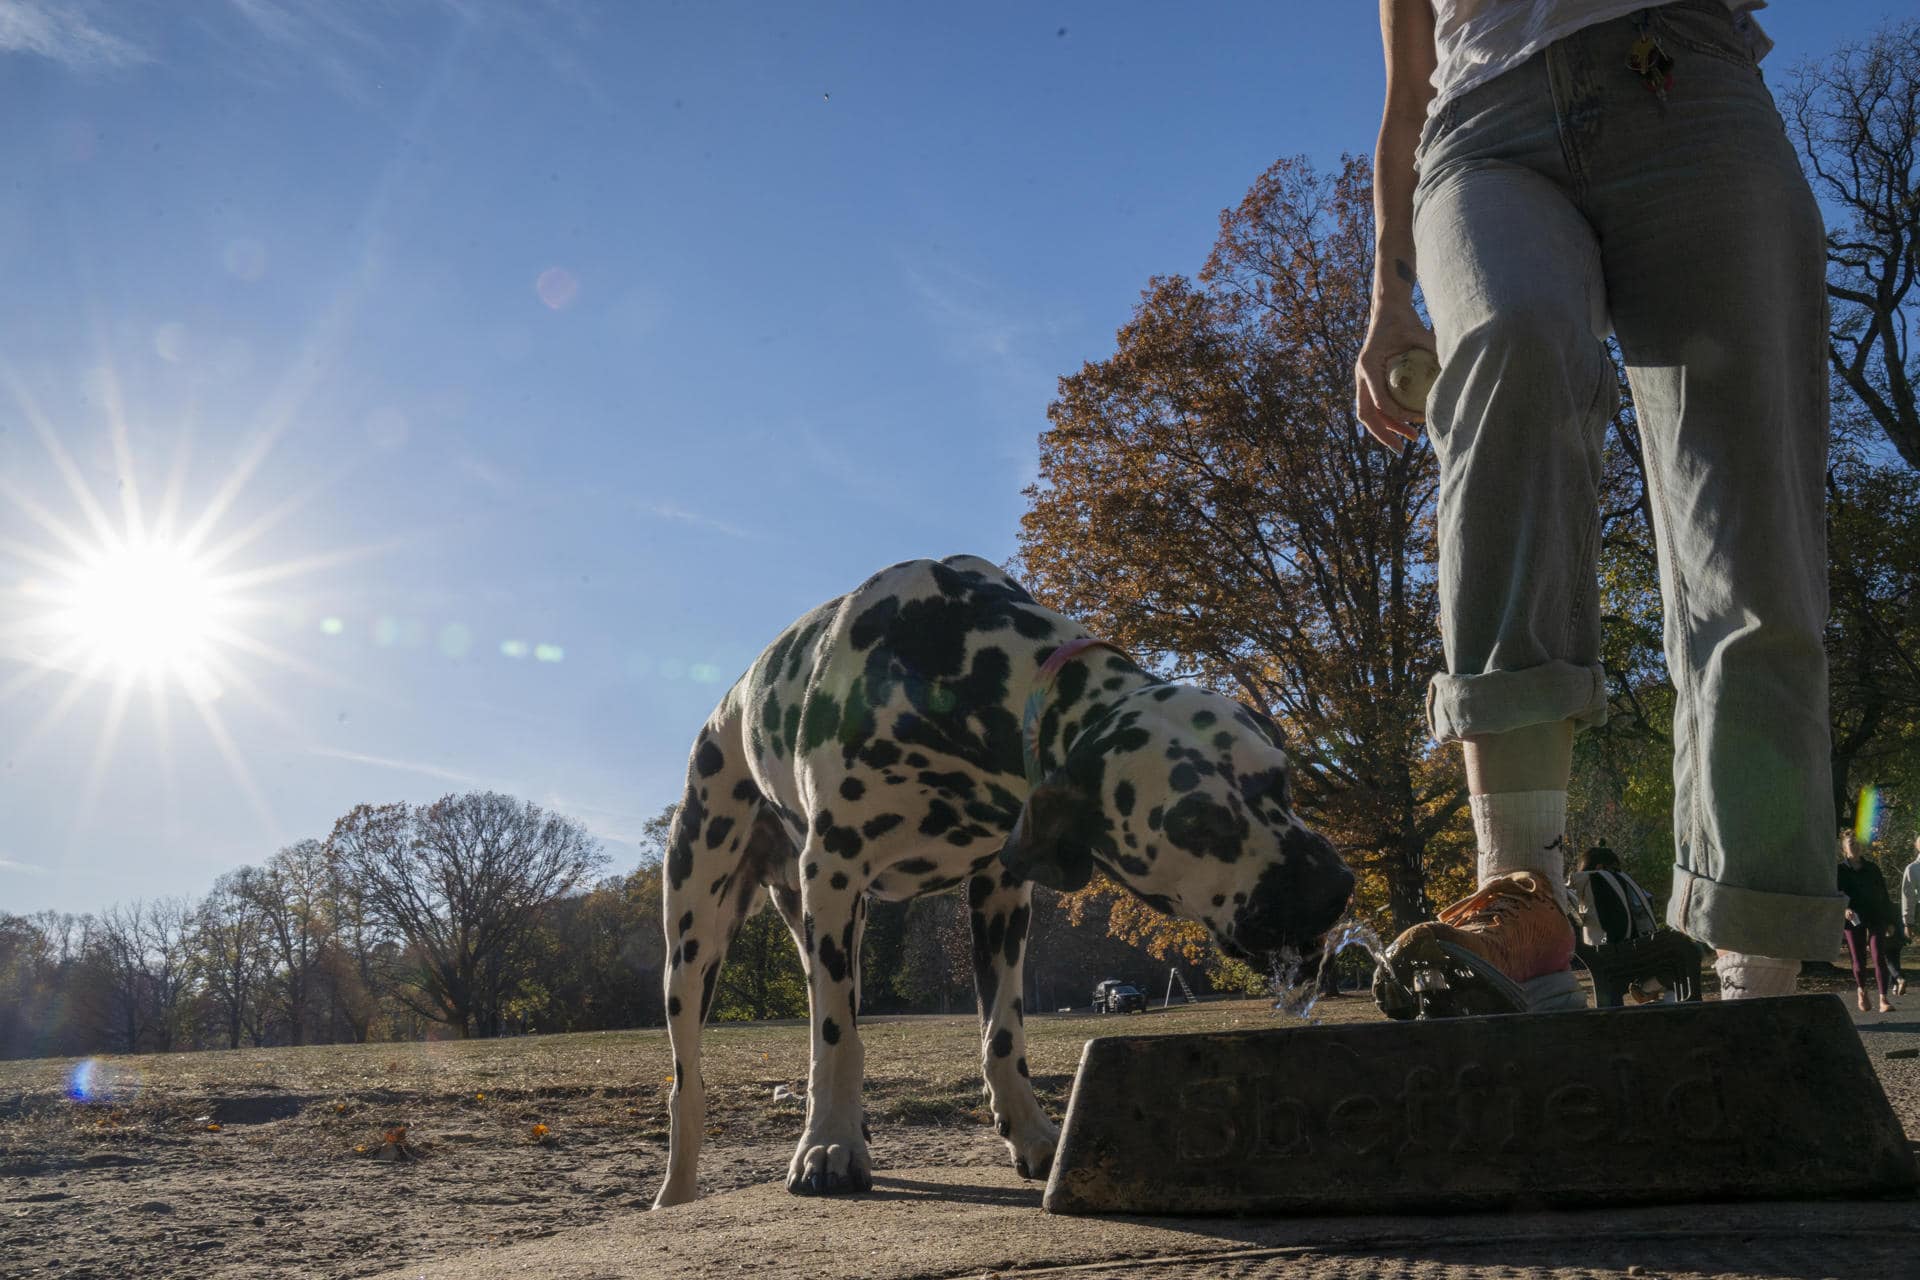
[(1405, 872)]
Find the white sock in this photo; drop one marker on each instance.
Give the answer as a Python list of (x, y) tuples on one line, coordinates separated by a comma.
[(1521, 831), (1743, 977)]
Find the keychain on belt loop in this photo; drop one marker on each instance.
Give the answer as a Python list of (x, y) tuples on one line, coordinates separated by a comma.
[(1646, 59)]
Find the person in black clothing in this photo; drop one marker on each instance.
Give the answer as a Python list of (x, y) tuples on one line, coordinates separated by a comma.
[(1621, 941), (1607, 906), (1869, 916)]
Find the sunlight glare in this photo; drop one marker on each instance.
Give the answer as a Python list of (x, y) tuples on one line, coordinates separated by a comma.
[(147, 610)]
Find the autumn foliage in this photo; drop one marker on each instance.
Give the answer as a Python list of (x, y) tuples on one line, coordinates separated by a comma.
[(1207, 500)]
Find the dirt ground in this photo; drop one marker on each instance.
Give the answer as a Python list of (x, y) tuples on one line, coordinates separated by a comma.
[(270, 1163)]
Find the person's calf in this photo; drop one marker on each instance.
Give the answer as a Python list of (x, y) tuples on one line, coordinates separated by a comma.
[(1521, 831)]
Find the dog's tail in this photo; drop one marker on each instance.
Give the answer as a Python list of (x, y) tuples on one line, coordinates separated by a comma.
[(724, 844)]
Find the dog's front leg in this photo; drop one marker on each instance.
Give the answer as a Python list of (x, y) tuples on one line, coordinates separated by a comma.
[(999, 919), (832, 1155)]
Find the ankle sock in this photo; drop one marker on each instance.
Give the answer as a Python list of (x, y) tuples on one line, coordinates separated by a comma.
[(1743, 976), (1521, 831)]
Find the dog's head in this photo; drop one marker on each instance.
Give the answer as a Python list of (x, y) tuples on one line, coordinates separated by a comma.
[(1185, 797)]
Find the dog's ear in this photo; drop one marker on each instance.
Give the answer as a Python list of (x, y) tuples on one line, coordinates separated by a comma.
[(1049, 843), (1265, 725)]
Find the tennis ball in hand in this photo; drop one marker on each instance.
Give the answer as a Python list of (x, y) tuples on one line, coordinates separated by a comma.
[(1410, 376)]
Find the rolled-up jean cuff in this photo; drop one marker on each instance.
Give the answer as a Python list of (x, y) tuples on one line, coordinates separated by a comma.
[(1787, 926), (1502, 701)]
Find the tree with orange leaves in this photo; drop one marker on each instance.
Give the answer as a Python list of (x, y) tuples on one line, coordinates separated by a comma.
[(1207, 500)]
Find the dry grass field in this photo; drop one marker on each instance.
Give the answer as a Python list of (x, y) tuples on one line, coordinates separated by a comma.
[(268, 1163)]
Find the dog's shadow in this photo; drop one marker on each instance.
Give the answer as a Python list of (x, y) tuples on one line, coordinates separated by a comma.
[(885, 1188)]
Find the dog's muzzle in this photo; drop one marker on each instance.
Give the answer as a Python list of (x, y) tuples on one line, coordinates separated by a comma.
[(1297, 900)]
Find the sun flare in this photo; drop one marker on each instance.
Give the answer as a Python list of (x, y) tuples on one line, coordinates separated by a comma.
[(129, 595), (146, 609)]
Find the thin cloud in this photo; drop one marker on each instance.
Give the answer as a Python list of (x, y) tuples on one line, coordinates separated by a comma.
[(63, 31), (404, 766), (10, 864), (280, 36), (615, 826), (981, 321), (672, 511), (487, 476)]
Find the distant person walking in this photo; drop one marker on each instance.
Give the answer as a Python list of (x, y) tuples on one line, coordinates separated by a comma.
[(1632, 958), (1612, 905), (1869, 918), (1909, 904)]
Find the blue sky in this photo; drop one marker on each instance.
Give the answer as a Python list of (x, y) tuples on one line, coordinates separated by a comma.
[(617, 335)]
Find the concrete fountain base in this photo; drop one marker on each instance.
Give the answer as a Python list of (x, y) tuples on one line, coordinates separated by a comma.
[(1747, 1100)]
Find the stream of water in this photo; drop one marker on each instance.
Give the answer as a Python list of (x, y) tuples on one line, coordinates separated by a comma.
[(1296, 983)]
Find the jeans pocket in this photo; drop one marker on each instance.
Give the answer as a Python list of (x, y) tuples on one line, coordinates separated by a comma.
[(1704, 26), (1436, 128)]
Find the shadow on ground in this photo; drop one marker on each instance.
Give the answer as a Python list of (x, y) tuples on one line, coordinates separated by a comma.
[(937, 1222)]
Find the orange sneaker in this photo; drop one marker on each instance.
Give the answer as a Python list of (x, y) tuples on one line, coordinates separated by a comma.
[(1507, 947)]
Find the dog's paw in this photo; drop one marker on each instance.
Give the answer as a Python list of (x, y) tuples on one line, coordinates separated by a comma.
[(829, 1168), (670, 1195), (1033, 1152)]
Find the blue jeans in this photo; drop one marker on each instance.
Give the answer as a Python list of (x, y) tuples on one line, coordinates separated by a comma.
[(1562, 201)]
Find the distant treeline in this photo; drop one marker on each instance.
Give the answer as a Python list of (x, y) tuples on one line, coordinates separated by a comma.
[(477, 915)]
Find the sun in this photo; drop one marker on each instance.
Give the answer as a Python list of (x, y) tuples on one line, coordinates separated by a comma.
[(148, 610), (128, 596)]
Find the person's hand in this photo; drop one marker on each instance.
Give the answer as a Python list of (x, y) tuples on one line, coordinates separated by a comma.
[(1853, 918), (1393, 329)]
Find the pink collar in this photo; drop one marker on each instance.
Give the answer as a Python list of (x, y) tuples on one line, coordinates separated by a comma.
[(1037, 696)]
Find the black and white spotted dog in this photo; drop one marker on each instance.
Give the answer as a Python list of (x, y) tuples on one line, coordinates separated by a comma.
[(936, 727)]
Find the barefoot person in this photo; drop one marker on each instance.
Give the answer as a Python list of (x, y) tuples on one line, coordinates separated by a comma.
[(1552, 171), (1909, 906), (1869, 918)]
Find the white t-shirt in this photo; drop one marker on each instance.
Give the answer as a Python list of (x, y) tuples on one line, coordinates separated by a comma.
[(1475, 40)]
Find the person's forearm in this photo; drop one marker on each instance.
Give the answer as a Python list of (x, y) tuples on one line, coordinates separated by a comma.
[(1393, 182), (1406, 34)]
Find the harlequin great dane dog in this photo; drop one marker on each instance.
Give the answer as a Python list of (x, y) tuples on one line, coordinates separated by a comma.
[(936, 727)]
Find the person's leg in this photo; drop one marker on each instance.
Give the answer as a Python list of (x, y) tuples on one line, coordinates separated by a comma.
[(1892, 942), (1517, 790), (1883, 986), (1511, 273), (1856, 936), (1715, 272)]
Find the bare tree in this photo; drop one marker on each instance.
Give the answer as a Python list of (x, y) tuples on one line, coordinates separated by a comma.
[(112, 948), (164, 930), (291, 895), (464, 880), (230, 951), (361, 954), (936, 965), (1856, 120), (137, 958)]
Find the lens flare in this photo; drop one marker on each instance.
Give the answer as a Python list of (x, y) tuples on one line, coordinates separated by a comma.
[(1866, 818), (557, 287), (97, 1080)]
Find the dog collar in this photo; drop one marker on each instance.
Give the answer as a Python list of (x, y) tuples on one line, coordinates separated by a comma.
[(1042, 688)]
